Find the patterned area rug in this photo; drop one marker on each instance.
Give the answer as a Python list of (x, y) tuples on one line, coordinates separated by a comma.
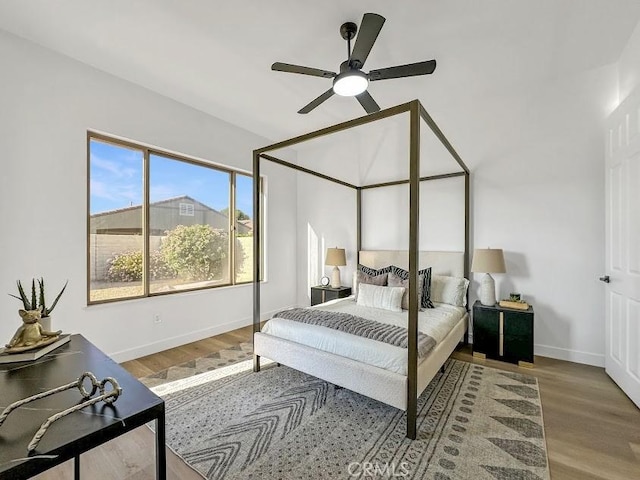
[(200, 365), (474, 422)]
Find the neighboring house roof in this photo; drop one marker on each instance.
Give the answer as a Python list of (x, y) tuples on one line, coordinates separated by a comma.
[(160, 202), (247, 223), (127, 218)]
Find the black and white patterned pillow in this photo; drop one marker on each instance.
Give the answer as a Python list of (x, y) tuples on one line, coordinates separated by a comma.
[(372, 272), (424, 277)]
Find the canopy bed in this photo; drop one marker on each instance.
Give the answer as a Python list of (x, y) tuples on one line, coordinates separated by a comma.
[(399, 385)]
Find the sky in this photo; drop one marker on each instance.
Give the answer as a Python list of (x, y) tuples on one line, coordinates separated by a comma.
[(116, 180)]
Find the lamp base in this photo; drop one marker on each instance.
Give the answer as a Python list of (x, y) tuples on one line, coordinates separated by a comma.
[(487, 291), (335, 278)]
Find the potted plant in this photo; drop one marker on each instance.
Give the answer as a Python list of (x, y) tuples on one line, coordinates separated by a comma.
[(38, 300)]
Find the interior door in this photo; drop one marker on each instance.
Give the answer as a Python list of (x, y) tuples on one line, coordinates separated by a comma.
[(622, 278)]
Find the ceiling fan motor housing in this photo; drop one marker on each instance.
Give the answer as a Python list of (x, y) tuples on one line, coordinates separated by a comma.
[(348, 30)]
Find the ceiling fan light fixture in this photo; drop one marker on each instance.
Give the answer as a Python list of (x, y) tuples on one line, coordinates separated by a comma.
[(350, 83)]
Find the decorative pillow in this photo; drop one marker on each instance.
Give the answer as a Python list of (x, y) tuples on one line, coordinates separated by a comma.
[(424, 279), (394, 280), (451, 290), (370, 276), (387, 298)]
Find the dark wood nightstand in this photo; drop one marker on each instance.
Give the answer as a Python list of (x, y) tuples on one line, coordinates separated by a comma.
[(503, 334), (322, 294)]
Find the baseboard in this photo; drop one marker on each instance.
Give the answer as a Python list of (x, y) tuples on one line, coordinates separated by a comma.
[(172, 342), (595, 359)]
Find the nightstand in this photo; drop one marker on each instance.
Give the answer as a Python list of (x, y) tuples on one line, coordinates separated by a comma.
[(322, 294), (503, 334)]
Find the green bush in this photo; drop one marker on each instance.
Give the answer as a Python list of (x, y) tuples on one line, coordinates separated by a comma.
[(127, 267), (196, 252), (159, 268)]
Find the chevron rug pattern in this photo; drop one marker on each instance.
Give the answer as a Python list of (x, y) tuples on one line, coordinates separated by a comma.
[(213, 361), (475, 422)]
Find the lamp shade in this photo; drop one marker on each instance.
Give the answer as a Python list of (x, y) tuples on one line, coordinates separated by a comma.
[(336, 257), (488, 260)]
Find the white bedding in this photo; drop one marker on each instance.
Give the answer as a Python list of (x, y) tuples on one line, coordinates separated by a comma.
[(435, 322)]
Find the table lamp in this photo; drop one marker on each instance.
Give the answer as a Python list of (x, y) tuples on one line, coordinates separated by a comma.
[(336, 258), (488, 260)]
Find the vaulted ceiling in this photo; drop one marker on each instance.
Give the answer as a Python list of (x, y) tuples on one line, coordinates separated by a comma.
[(216, 56)]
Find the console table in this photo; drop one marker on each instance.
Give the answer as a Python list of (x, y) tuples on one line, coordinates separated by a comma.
[(78, 432)]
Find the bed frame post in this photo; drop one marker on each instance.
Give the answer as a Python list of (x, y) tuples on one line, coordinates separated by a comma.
[(358, 224), (414, 219), (257, 258), (466, 242)]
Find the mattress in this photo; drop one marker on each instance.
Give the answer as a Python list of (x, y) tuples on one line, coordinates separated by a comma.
[(436, 322)]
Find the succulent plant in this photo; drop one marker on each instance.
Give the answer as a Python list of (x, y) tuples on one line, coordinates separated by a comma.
[(37, 297)]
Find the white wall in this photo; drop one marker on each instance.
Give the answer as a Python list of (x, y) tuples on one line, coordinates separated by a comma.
[(629, 66), (539, 195), (537, 191), (326, 217), (385, 216), (47, 103)]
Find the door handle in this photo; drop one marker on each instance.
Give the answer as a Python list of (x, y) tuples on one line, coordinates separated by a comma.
[(605, 279)]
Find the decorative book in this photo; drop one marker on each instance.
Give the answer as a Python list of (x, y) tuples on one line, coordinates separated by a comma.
[(517, 305), (32, 355)]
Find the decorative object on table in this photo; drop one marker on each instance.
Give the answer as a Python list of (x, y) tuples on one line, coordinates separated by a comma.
[(30, 335), (488, 260), (514, 297), (29, 355), (336, 258), (38, 300), (108, 396), (324, 281), (517, 304)]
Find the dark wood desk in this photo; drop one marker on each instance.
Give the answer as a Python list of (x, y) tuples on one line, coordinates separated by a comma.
[(78, 432)]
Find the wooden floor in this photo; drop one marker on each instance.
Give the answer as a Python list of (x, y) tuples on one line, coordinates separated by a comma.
[(592, 428)]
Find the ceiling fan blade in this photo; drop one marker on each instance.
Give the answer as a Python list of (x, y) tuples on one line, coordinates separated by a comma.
[(314, 103), (369, 29), (367, 102), (315, 72), (409, 70)]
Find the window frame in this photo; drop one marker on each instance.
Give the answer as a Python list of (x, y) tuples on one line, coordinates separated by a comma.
[(188, 209), (147, 152)]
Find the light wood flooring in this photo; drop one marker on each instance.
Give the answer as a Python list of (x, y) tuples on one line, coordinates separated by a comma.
[(592, 428)]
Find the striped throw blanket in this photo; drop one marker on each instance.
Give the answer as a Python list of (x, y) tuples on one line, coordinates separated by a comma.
[(363, 327)]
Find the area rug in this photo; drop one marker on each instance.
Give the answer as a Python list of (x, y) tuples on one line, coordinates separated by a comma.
[(474, 422), (213, 361)]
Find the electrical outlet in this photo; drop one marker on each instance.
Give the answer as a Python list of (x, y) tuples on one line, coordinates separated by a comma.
[(157, 319)]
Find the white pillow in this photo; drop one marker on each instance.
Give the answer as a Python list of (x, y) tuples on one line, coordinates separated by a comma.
[(387, 298), (451, 290)]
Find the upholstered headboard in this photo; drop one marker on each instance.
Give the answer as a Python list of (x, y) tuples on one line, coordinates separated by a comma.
[(441, 263)]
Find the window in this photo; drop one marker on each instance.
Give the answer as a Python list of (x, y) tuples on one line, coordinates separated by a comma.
[(186, 210), (170, 233)]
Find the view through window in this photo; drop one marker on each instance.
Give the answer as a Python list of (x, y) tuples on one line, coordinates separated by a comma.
[(169, 234)]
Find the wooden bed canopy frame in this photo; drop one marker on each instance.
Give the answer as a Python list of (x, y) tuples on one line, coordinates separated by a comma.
[(416, 114)]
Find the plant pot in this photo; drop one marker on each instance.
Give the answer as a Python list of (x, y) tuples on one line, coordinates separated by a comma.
[(46, 323)]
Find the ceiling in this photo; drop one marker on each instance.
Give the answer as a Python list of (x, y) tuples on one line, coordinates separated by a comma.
[(216, 56)]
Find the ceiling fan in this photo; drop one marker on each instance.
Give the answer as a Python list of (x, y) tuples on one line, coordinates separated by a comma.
[(352, 81)]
